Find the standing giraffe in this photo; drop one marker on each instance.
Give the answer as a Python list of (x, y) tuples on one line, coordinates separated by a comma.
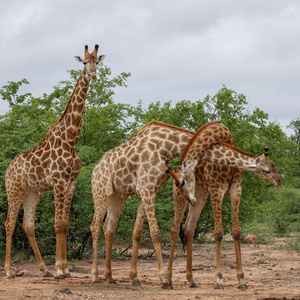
[(219, 171), (137, 167), (53, 164)]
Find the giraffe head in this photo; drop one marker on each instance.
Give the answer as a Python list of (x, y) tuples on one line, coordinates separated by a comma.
[(90, 61), (266, 169), (185, 178)]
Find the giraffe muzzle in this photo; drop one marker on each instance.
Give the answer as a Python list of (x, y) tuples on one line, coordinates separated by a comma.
[(192, 200)]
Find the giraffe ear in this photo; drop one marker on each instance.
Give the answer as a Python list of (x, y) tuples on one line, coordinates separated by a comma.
[(79, 59), (101, 57), (174, 175)]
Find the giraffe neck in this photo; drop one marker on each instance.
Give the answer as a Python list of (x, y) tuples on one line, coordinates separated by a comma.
[(71, 120), (223, 154), (208, 135)]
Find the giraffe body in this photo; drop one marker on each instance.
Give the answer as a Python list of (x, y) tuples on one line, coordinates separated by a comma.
[(216, 181), (53, 164), (217, 169), (137, 167)]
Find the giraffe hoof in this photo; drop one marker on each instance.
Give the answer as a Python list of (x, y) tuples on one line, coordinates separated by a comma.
[(243, 287), (47, 274), (219, 287), (136, 282), (167, 286), (111, 281), (193, 285), (67, 275), (60, 276), (95, 281), (10, 276)]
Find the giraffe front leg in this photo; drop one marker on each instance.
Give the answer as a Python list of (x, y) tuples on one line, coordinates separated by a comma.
[(148, 203), (179, 208), (235, 195), (59, 197), (216, 201), (189, 232), (136, 237), (218, 276), (65, 225)]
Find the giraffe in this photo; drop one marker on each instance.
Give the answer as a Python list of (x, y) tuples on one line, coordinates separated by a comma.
[(219, 171), (52, 164), (137, 167)]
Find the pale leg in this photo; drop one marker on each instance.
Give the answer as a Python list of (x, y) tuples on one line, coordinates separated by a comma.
[(113, 214), (235, 195), (30, 204), (189, 231), (10, 224), (136, 236)]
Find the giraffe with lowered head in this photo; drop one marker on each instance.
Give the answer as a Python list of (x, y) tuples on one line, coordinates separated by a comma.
[(215, 169), (53, 164)]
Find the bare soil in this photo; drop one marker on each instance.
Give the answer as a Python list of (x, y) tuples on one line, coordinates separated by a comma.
[(270, 272)]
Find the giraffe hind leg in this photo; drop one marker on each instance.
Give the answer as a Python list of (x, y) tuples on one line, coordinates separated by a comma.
[(113, 214), (30, 203), (10, 224), (101, 203), (136, 236)]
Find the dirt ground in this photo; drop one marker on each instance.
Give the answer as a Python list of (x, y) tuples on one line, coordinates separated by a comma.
[(270, 272)]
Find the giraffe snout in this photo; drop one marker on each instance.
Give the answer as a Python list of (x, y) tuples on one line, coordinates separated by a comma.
[(192, 200)]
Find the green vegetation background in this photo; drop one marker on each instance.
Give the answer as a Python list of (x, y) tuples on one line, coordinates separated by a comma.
[(107, 124)]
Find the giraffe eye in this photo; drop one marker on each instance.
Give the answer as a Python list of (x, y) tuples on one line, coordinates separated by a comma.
[(183, 182)]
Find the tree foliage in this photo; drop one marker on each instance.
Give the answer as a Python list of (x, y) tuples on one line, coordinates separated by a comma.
[(107, 124)]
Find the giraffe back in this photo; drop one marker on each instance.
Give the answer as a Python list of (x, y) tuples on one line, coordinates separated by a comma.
[(142, 160)]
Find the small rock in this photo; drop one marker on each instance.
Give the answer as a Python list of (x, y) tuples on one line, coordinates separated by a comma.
[(66, 291)]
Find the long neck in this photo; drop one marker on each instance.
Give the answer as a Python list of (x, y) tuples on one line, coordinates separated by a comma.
[(73, 115), (208, 135), (231, 156)]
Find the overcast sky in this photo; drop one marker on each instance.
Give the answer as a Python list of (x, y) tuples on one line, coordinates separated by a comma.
[(174, 49)]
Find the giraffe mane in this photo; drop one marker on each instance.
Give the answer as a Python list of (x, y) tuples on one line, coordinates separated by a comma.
[(235, 149), (194, 138), (64, 113)]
